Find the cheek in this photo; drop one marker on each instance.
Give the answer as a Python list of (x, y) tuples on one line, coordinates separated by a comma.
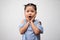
[(26, 15), (34, 13)]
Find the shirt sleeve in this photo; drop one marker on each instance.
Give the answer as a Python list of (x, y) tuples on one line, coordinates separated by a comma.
[(39, 26), (21, 25)]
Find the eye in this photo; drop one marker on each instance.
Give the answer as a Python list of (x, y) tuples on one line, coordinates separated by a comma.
[(27, 10), (32, 11)]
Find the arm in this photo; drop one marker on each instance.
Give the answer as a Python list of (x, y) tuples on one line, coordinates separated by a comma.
[(24, 28), (35, 29)]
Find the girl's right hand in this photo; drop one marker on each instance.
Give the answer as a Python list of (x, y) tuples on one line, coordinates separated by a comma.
[(27, 19)]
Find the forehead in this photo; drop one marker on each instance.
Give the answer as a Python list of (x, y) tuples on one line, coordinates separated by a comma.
[(29, 8)]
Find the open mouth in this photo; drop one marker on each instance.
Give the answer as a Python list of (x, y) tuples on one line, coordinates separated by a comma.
[(30, 16)]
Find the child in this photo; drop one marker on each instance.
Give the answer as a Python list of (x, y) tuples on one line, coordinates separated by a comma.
[(29, 27)]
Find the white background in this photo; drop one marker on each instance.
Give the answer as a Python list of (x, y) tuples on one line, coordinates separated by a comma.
[(12, 11)]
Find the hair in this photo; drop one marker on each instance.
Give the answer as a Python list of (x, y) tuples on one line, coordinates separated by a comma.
[(30, 4)]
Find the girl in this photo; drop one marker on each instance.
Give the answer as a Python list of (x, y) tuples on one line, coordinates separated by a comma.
[(29, 27)]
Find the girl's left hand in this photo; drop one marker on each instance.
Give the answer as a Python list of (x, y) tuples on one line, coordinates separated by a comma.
[(32, 19)]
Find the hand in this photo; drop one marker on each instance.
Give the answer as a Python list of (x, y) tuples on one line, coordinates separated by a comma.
[(27, 19), (32, 19)]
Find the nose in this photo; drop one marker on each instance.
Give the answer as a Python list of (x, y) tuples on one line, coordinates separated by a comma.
[(29, 13)]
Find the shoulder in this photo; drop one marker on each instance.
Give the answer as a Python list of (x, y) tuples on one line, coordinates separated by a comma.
[(22, 21), (39, 22)]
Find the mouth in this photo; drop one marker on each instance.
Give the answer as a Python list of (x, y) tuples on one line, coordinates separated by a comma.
[(30, 16)]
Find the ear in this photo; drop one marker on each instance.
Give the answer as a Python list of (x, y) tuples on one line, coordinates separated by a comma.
[(24, 11), (35, 13)]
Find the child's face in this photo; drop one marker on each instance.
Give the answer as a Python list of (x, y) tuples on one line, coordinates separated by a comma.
[(30, 12)]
